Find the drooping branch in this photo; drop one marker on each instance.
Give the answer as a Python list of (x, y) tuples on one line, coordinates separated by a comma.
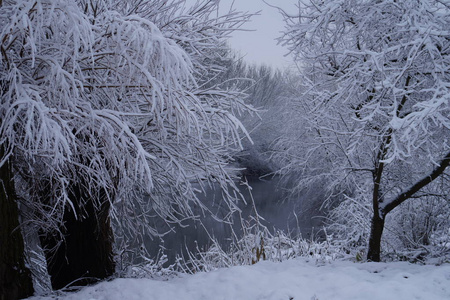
[(416, 187)]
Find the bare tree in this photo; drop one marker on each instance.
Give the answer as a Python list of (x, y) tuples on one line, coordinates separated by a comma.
[(100, 104), (376, 97)]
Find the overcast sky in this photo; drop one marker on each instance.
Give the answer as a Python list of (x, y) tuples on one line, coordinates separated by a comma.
[(260, 46)]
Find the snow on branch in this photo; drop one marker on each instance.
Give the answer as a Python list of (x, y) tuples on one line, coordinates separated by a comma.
[(107, 93)]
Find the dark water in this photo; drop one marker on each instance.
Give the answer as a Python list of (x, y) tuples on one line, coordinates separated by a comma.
[(295, 215)]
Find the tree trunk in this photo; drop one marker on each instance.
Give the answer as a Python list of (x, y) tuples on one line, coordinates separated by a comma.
[(376, 231), (15, 278), (379, 215), (86, 254)]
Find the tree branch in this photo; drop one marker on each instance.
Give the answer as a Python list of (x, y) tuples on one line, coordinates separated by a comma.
[(416, 187)]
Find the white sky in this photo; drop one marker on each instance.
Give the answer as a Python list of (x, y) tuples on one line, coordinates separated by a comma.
[(260, 46)]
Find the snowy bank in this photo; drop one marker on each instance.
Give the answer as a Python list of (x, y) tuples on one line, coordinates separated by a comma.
[(299, 279)]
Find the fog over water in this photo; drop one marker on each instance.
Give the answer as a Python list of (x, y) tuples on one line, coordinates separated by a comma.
[(293, 214)]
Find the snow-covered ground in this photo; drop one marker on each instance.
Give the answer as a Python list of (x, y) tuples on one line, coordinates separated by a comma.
[(294, 279)]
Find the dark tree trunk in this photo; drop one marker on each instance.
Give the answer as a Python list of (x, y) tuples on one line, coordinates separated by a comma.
[(376, 231), (86, 254), (380, 213), (15, 278)]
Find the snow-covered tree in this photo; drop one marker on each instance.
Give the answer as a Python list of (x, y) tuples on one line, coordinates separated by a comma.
[(375, 100), (100, 104)]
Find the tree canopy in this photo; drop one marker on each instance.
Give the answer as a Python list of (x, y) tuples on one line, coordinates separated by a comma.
[(375, 95), (106, 101)]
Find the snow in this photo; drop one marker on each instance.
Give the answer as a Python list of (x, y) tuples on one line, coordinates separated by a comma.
[(293, 279)]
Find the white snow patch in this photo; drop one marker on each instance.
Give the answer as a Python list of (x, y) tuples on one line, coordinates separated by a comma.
[(294, 279)]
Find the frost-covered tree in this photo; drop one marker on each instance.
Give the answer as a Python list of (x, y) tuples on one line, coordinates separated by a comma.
[(375, 100), (269, 91), (101, 104)]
